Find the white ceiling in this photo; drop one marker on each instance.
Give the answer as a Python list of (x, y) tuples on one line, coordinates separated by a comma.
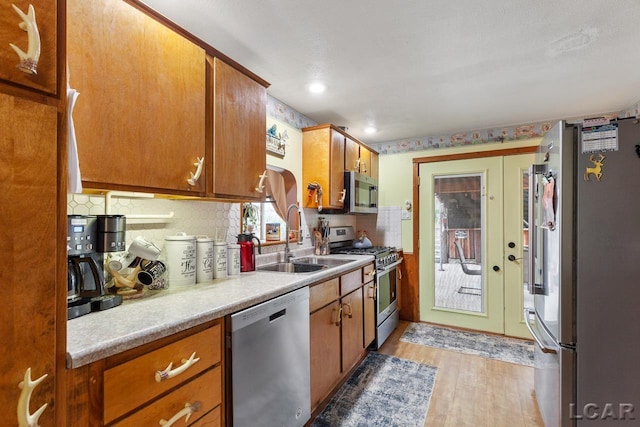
[(415, 68)]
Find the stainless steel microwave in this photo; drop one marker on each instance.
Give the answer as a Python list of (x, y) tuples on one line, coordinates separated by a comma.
[(361, 195)]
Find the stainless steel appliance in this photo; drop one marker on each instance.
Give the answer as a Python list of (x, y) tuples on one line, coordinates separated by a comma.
[(270, 364), (361, 196), (85, 275), (584, 246), (386, 279)]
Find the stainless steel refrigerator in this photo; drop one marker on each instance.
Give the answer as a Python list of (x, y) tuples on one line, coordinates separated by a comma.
[(584, 250)]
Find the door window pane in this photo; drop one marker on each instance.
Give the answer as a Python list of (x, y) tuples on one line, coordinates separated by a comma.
[(458, 238)]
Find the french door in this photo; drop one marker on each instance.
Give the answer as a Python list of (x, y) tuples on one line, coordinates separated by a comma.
[(471, 243)]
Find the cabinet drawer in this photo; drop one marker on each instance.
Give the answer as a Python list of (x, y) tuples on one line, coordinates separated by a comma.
[(350, 281), (212, 419), (322, 294), (133, 383), (368, 273), (205, 391)]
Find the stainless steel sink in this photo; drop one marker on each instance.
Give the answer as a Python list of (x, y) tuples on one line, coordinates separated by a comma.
[(292, 267), (329, 262)]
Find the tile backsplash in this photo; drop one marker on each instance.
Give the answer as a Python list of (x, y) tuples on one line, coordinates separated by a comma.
[(196, 217), (189, 216)]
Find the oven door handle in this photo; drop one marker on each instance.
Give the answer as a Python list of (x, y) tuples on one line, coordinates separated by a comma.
[(389, 267)]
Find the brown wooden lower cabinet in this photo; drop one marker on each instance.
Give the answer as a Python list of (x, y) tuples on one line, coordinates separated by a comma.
[(325, 352), (337, 331), (352, 329), (136, 388)]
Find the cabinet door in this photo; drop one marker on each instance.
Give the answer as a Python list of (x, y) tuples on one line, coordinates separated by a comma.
[(336, 177), (28, 253), (352, 329), (239, 132), (140, 116), (365, 161), (325, 351), (46, 13), (373, 169), (369, 303), (351, 155)]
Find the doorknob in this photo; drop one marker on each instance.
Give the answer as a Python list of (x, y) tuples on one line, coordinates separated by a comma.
[(511, 245), (511, 257), (496, 268)]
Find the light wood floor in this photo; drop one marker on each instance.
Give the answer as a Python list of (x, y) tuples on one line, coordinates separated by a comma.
[(472, 390)]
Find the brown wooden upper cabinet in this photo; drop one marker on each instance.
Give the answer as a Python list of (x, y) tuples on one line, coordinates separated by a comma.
[(29, 184), (238, 144), (368, 162), (327, 152), (45, 13), (323, 154), (351, 155), (140, 115)]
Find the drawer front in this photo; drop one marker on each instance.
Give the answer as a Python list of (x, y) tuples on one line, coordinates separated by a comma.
[(133, 383), (204, 391), (369, 272), (212, 419), (350, 281), (323, 293)]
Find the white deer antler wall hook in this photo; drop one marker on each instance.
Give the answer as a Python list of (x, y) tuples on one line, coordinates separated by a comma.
[(26, 419), (28, 61)]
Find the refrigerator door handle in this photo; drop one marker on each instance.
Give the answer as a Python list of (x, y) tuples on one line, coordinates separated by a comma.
[(534, 261), (528, 312)]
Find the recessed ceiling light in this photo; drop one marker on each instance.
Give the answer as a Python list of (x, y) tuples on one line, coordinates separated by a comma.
[(370, 130), (317, 87)]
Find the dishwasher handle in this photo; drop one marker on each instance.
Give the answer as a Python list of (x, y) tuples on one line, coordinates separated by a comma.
[(277, 315)]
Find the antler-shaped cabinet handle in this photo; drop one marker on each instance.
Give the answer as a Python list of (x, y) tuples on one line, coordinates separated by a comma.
[(260, 187), (349, 313), (184, 412), (169, 373), (195, 176), (26, 419), (29, 60), (343, 194)]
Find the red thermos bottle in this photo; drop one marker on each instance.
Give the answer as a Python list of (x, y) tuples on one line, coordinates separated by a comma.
[(247, 252)]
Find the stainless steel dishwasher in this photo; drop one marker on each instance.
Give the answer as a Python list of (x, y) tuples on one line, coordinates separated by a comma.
[(270, 374)]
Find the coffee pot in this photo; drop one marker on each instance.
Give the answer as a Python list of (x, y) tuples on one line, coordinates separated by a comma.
[(247, 251)]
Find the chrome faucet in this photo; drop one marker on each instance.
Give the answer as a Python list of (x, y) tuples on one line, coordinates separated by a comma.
[(287, 252)]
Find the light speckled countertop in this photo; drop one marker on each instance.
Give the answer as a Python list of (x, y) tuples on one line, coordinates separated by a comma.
[(136, 322)]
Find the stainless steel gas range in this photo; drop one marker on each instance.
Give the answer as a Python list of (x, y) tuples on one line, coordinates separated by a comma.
[(386, 281)]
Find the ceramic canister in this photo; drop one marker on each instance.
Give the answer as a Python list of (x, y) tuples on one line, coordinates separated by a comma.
[(219, 260), (233, 259), (181, 259), (204, 258)]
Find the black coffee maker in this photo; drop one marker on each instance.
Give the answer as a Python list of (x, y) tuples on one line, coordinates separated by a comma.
[(85, 272)]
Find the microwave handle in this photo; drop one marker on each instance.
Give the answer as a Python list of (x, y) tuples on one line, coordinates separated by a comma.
[(373, 195)]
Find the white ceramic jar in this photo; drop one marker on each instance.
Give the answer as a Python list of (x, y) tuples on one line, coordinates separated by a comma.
[(233, 259), (181, 259), (219, 260), (204, 259)]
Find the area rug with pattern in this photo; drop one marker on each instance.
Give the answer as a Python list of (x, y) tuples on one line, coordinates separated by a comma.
[(511, 350), (383, 391)]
